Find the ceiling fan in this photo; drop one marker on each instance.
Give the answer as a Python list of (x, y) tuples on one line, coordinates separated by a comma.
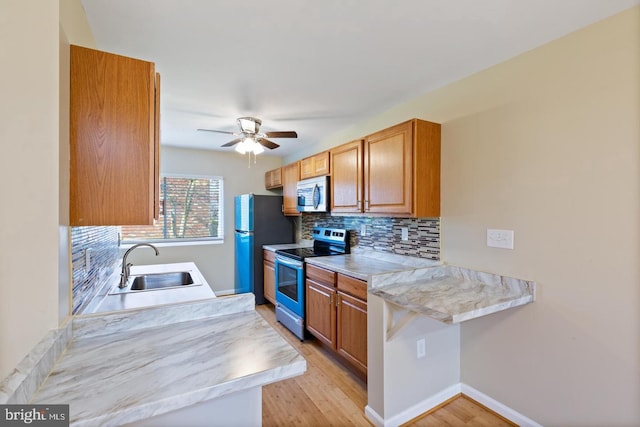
[(250, 139)]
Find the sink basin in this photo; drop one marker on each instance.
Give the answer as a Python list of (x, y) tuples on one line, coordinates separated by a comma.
[(161, 281)]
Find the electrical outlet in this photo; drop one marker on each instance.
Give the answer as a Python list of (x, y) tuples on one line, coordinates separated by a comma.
[(405, 233), (363, 229), (500, 238), (87, 259), (421, 348)]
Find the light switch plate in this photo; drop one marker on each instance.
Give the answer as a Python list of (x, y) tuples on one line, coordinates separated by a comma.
[(421, 349), (363, 229), (500, 238)]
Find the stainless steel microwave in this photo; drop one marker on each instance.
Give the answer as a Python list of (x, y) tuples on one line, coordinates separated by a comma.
[(313, 194)]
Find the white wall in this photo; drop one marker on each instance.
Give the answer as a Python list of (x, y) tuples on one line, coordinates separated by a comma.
[(548, 144), (216, 262)]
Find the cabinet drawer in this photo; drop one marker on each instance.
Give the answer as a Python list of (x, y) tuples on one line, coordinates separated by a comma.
[(269, 256), (355, 287), (326, 277)]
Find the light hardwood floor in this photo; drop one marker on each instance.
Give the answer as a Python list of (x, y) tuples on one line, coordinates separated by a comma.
[(330, 395)]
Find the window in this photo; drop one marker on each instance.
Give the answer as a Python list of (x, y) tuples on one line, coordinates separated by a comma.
[(190, 210)]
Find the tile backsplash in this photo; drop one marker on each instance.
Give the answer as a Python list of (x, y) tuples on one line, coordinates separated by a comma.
[(104, 255), (383, 233)]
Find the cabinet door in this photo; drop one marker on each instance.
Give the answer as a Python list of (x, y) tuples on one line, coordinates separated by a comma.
[(313, 166), (306, 168), (352, 330), (388, 166), (290, 177), (321, 312), (270, 282), (346, 178), (321, 164), (273, 179), (156, 145), (112, 139)]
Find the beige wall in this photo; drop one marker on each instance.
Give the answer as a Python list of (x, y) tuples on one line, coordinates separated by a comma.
[(216, 262), (29, 214), (33, 119), (74, 29), (548, 145), (558, 161)]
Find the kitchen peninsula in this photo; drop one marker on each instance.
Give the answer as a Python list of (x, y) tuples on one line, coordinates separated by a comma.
[(203, 361), (419, 303)]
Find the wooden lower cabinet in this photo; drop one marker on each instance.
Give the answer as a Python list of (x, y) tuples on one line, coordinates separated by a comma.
[(336, 314), (351, 342), (269, 276), (321, 312)]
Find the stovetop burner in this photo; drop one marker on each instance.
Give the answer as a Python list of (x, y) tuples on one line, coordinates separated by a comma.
[(326, 242)]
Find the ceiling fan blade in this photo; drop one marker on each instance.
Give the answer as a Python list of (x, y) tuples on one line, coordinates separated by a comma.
[(282, 134), (267, 143), (218, 131), (230, 143)]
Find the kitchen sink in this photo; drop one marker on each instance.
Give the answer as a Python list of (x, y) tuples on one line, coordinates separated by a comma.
[(158, 281), (161, 281)]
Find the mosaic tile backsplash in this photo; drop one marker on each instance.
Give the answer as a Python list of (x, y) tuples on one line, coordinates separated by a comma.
[(103, 244), (383, 234)]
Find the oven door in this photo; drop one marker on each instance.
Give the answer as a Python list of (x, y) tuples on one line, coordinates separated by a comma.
[(290, 284)]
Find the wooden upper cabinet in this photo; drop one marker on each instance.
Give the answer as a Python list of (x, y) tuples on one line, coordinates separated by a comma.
[(290, 178), (114, 139), (394, 172), (317, 165), (346, 177), (156, 150), (273, 179), (388, 170)]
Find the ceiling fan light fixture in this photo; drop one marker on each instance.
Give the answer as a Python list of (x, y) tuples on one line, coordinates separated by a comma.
[(257, 148), (242, 147), (249, 145), (249, 124)]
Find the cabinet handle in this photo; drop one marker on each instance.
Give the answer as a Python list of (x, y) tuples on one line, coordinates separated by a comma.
[(366, 205)]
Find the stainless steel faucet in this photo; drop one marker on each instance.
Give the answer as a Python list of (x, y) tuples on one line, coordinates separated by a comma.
[(124, 276)]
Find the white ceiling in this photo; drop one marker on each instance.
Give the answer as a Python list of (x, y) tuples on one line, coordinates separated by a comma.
[(318, 67)]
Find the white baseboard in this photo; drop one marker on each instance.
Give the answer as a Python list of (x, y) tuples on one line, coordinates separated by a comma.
[(498, 407), (414, 411), (442, 396)]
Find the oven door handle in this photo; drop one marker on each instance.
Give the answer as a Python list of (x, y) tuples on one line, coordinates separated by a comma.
[(292, 264)]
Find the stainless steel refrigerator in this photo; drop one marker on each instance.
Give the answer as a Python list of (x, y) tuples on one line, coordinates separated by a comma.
[(258, 221)]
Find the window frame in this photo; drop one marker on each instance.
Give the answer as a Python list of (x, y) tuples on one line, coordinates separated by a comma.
[(186, 241)]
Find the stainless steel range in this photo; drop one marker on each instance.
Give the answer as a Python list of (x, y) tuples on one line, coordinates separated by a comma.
[(290, 275)]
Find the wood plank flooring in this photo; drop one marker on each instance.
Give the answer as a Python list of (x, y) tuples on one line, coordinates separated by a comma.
[(330, 395)]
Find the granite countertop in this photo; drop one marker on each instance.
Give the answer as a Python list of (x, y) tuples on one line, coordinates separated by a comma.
[(129, 366), (363, 265), (446, 293), (453, 294), (119, 299)]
